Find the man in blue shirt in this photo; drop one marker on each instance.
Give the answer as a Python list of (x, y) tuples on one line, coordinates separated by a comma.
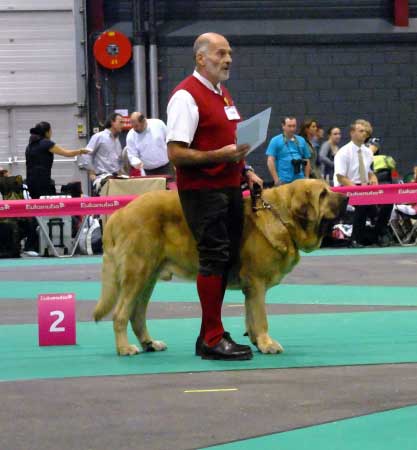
[(288, 154)]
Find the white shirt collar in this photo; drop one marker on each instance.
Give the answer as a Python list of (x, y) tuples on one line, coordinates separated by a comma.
[(357, 148), (208, 84), (109, 133)]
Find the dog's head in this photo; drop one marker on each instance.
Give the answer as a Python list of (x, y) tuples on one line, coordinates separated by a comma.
[(312, 209)]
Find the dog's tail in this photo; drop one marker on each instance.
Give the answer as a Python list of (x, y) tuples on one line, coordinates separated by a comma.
[(110, 285)]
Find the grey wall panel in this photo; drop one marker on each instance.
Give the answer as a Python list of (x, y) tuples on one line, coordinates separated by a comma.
[(4, 137), (39, 51), (40, 78), (36, 5)]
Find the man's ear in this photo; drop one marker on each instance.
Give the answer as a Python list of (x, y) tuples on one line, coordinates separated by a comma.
[(200, 59)]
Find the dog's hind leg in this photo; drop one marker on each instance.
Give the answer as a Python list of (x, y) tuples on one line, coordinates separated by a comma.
[(131, 284), (138, 320), (256, 318)]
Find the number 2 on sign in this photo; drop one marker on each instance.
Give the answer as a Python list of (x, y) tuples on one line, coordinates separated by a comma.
[(54, 327)]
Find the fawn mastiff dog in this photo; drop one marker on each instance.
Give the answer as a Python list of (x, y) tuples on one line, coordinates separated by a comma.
[(149, 238)]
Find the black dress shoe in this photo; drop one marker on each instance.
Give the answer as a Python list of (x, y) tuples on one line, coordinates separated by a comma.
[(226, 351), (356, 244), (226, 336)]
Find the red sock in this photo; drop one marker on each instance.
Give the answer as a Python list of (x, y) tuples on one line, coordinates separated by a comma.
[(210, 290), (224, 285)]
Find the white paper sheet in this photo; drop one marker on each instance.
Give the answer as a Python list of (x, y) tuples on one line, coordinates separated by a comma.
[(253, 131)]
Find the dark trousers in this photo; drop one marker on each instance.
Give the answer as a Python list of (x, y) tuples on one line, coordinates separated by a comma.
[(382, 214), (163, 170), (215, 218)]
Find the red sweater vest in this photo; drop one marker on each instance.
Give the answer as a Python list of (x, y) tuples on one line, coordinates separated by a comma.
[(214, 131)]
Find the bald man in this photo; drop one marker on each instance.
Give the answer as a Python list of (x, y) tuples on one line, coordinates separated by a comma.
[(201, 136), (146, 145)]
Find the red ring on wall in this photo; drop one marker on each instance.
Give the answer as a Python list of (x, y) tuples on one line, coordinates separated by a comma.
[(112, 49)]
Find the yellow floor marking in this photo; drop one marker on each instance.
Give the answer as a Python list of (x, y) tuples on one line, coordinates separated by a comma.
[(235, 306), (193, 391)]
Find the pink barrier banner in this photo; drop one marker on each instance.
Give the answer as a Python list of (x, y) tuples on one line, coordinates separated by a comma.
[(379, 194), (56, 319), (358, 195), (63, 206)]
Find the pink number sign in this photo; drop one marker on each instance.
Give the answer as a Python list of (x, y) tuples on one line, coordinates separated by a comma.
[(56, 319)]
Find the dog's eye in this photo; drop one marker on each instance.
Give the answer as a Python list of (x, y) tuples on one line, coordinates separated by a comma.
[(323, 194)]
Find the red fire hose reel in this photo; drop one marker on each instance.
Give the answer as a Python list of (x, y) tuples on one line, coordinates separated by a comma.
[(112, 49)]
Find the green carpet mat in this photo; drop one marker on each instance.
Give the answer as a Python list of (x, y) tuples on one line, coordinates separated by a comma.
[(26, 262), (187, 292), (33, 262), (309, 341), (388, 430)]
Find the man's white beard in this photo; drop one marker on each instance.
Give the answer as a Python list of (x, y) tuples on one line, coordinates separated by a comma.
[(220, 74)]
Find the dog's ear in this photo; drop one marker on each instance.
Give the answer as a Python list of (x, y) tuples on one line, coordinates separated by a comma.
[(305, 206)]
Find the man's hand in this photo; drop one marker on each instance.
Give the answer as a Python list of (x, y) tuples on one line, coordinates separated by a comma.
[(234, 153), (253, 178), (92, 176), (373, 179)]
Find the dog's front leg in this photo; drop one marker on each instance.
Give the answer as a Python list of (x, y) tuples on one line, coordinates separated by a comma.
[(256, 320)]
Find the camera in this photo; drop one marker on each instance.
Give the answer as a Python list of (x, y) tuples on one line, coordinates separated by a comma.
[(298, 165)]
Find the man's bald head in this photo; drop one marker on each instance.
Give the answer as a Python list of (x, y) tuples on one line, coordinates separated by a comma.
[(138, 121), (203, 42), (213, 57)]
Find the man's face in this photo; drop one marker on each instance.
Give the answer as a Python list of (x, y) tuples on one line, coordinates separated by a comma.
[(289, 127), (117, 125), (217, 60), (359, 134), (138, 122)]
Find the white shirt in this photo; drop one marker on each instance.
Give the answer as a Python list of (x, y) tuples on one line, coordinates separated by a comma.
[(148, 147), (183, 113), (346, 162), (106, 155)]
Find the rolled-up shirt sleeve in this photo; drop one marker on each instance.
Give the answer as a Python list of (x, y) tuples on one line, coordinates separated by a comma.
[(341, 166), (183, 116), (86, 161)]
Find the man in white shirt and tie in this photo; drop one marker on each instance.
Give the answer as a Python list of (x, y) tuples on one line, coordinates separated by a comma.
[(352, 166)]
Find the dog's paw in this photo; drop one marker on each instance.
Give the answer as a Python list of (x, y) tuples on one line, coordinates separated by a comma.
[(165, 275), (130, 350), (154, 346), (267, 345)]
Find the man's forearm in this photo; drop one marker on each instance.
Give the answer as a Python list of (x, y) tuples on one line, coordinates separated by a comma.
[(181, 155), (344, 181), (272, 170)]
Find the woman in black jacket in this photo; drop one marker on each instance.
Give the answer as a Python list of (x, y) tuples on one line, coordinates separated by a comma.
[(40, 157)]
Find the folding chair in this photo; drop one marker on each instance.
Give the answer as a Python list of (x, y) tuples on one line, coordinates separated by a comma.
[(403, 223)]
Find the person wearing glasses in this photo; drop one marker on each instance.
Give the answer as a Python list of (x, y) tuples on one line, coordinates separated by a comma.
[(146, 145)]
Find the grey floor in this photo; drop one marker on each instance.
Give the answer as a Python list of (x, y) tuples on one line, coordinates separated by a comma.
[(154, 412)]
